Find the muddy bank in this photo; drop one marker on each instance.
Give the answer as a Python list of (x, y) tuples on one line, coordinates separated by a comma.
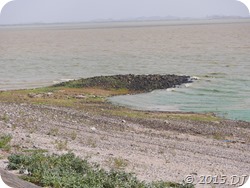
[(137, 83)]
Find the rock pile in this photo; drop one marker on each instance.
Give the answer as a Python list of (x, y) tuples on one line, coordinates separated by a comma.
[(131, 82)]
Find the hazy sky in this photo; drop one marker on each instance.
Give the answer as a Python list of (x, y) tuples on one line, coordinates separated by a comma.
[(34, 11)]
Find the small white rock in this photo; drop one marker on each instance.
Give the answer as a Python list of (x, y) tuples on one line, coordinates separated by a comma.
[(26, 172), (9, 125), (80, 97), (49, 94)]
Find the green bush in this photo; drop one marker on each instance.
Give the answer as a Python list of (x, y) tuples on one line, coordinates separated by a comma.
[(4, 142), (69, 171)]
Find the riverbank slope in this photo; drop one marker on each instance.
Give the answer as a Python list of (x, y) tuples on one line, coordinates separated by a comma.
[(154, 145)]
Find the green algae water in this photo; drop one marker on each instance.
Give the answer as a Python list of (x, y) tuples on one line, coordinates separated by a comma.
[(216, 52)]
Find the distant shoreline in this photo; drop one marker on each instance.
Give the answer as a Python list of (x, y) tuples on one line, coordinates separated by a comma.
[(129, 23)]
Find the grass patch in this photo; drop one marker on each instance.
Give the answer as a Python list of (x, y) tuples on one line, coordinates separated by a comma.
[(5, 118), (118, 163), (69, 171), (73, 135), (44, 90), (91, 142), (53, 132), (218, 136), (59, 96), (129, 113), (195, 117), (104, 82), (61, 144), (5, 142)]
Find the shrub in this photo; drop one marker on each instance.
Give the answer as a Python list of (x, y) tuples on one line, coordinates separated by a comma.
[(69, 171), (4, 142)]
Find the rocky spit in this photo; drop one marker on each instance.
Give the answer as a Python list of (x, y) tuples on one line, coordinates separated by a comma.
[(136, 83)]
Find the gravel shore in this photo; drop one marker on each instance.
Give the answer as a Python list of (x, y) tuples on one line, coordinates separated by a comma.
[(166, 149), (76, 117)]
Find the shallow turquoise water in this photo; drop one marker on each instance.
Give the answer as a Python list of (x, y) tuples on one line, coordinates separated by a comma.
[(232, 105), (217, 53)]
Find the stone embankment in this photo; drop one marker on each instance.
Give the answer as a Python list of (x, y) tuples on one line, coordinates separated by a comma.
[(137, 83)]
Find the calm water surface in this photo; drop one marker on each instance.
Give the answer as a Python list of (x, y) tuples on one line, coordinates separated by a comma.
[(217, 53)]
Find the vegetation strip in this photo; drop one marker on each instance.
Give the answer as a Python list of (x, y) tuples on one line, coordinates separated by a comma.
[(69, 171)]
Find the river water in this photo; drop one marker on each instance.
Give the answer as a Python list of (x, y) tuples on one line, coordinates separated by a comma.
[(216, 52)]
